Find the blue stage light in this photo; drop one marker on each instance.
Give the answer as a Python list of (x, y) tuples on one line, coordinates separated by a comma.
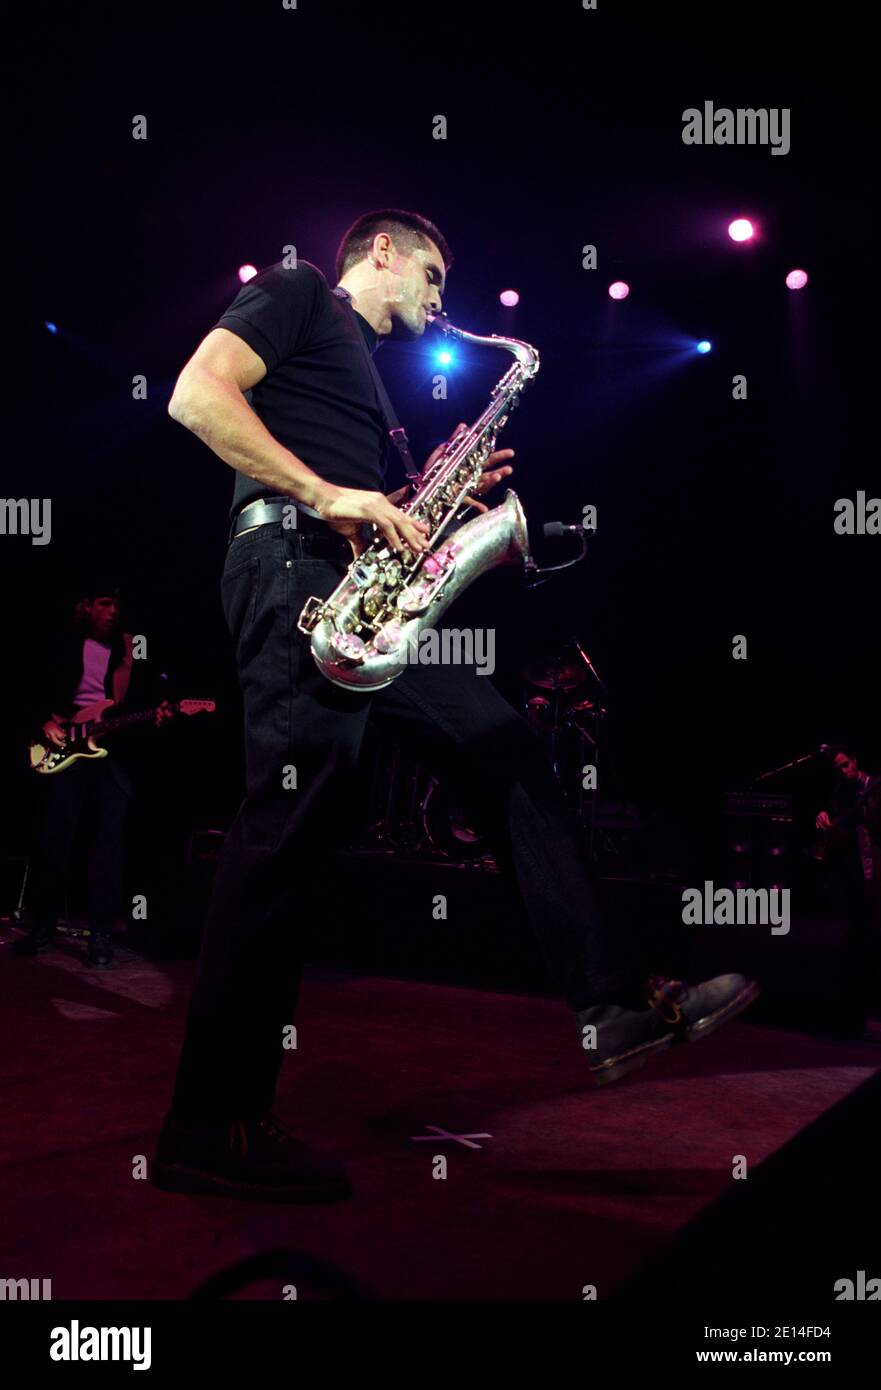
[(52, 327), (444, 357), (704, 346)]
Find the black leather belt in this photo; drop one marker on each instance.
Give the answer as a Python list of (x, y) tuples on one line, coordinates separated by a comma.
[(314, 535)]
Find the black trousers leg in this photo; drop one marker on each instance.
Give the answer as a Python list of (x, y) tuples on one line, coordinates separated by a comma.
[(112, 793), (864, 950), (63, 796), (302, 740)]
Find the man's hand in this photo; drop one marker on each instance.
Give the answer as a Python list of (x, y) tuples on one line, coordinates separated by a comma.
[(53, 731), (345, 508), (492, 473), (823, 822), (399, 495), (164, 712)]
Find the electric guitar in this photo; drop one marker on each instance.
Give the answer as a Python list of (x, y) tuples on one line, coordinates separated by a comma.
[(87, 724), (840, 825)]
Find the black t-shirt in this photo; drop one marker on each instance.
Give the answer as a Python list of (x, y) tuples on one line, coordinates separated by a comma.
[(317, 398)]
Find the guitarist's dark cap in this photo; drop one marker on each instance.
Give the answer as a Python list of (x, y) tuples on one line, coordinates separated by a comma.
[(101, 586)]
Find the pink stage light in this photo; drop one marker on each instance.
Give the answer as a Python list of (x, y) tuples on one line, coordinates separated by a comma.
[(246, 273), (741, 229), (620, 290), (509, 298), (796, 279)]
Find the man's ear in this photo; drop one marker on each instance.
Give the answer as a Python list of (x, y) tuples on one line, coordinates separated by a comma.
[(373, 257)]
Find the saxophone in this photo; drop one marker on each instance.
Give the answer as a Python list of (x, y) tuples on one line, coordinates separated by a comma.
[(361, 633)]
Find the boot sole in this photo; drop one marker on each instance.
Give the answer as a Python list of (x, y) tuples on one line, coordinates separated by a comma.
[(735, 1006), (616, 1067), (173, 1177)]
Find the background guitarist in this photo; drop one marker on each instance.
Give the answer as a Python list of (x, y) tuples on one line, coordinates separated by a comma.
[(851, 848), (93, 664)]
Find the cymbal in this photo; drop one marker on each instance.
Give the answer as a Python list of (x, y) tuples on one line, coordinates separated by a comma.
[(585, 706), (556, 674)]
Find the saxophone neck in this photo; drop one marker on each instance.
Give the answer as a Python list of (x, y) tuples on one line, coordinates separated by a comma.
[(525, 353)]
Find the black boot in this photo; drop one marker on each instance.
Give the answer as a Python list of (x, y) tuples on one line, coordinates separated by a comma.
[(101, 948), (38, 939), (261, 1160), (695, 1011), (621, 1038)]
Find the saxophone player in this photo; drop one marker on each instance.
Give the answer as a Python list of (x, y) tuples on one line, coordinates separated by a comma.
[(284, 389)]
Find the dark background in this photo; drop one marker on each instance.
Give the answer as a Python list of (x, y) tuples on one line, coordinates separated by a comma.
[(268, 127)]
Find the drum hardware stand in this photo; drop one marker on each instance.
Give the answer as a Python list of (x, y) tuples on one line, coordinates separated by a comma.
[(17, 914), (565, 710)]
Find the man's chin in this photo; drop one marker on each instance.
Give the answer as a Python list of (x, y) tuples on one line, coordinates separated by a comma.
[(407, 332)]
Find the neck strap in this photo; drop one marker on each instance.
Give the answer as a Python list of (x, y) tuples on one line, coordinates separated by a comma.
[(396, 432)]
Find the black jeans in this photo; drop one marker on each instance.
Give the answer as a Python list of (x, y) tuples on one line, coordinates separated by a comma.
[(102, 790), (864, 953), (276, 850)]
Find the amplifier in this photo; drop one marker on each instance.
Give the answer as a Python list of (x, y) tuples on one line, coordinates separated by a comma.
[(758, 804), (615, 815)]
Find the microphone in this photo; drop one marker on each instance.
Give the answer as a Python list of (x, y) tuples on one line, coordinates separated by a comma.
[(554, 530)]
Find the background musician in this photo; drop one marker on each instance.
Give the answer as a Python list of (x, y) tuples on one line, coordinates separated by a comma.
[(93, 664), (851, 848)]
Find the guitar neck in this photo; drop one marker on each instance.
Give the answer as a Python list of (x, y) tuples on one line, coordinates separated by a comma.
[(122, 721)]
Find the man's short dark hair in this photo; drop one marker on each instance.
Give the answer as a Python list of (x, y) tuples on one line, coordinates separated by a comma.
[(406, 229), (100, 586)]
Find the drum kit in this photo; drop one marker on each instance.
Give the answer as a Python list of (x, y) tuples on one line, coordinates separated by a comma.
[(569, 715), (416, 814)]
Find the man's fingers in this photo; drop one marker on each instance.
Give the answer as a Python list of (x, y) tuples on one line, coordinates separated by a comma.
[(473, 502), (390, 534), (415, 532), (417, 540), (489, 480), (400, 529)]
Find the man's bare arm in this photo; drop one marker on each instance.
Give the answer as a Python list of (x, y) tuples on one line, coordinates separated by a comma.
[(209, 400)]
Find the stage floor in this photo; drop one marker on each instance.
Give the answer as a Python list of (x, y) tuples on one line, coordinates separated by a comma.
[(573, 1186)]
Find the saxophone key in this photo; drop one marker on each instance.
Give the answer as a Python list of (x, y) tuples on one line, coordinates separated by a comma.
[(349, 647), (373, 601), (389, 638), (363, 573), (438, 563), (416, 597)]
